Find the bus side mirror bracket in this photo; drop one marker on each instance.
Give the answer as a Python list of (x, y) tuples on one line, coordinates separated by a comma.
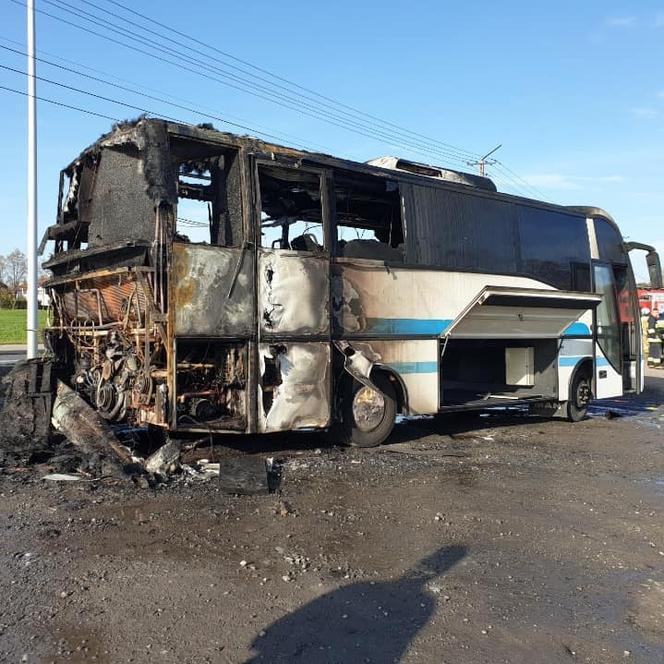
[(652, 261), (654, 269)]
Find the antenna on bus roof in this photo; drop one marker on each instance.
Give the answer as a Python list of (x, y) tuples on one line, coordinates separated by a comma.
[(482, 162)]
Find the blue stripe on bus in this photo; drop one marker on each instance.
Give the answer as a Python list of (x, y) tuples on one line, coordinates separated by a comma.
[(414, 367), (414, 326), (569, 361), (432, 367), (573, 360), (577, 329), (436, 326)]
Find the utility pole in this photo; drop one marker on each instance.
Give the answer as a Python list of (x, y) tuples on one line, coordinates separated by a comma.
[(482, 162), (32, 186)]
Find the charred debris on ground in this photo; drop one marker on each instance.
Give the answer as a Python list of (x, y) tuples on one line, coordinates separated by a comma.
[(47, 427)]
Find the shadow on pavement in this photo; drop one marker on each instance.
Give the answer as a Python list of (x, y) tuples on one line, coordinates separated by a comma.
[(362, 622), (648, 401)]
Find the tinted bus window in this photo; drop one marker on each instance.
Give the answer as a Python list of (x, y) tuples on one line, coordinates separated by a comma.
[(551, 242), (461, 231), (609, 242)]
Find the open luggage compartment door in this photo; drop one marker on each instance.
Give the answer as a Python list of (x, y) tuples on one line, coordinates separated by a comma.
[(500, 312)]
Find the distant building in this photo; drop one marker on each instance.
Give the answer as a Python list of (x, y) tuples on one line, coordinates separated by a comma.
[(42, 295)]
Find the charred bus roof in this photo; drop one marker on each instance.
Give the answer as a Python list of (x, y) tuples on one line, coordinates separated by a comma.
[(142, 132), (151, 148)]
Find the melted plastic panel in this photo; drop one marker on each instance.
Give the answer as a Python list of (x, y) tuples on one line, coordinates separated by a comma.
[(294, 386), (202, 278), (293, 293)]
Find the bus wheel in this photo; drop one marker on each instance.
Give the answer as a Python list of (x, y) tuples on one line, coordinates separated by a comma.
[(580, 395), (368, 415)]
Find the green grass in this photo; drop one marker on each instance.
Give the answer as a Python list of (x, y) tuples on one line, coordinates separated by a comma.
[(13, 323)]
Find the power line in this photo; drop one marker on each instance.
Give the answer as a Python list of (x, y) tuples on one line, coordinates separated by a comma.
[(260, 129), (81, 110), (91, 94), (138, 92), (371, 133), (255, 89), (289, 82), (116, 119), (192, 223), (62, 104), (537, 192)]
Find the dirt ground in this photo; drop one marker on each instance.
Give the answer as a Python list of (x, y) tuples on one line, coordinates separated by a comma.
[(500, 538)]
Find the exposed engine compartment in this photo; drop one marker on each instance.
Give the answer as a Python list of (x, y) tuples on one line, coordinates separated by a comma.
[(211, 382), (110, 334), (113, 341)]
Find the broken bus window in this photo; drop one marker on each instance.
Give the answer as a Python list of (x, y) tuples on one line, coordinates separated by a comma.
[(291, 209), (368, 218)]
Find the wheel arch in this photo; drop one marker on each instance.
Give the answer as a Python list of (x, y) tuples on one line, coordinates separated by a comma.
[(583, 366), (398, 383)]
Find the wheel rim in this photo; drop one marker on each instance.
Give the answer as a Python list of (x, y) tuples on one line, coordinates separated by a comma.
[(368, 408), (582, 394)]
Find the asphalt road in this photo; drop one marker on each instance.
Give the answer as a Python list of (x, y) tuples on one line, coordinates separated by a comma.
[(9, 358), (466, 539)]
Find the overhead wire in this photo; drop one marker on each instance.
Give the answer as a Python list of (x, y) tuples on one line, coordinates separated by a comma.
[(192, 223), (295, 140), (518, 178), (62, 104), (147, 96), (283, 79), (86, 111), (72, 88), (371, 133), (510, 175)]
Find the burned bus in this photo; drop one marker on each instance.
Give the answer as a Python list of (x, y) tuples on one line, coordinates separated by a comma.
[(207, 282)]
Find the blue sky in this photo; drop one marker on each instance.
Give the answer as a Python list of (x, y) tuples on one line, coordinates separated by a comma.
[(574, 91)]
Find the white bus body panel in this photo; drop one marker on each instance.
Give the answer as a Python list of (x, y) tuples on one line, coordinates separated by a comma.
[(608, 382)]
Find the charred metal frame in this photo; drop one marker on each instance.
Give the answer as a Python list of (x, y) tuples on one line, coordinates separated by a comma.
[(133, 305)]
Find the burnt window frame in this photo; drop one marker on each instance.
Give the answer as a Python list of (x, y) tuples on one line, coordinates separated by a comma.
[(398, 184), (232, 157), (205, 191), (259, 161)]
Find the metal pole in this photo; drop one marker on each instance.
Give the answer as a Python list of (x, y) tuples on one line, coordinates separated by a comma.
[(32, 187)]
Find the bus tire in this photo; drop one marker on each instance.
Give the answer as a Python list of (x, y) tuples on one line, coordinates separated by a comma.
[(580, 396), (368, 416)]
